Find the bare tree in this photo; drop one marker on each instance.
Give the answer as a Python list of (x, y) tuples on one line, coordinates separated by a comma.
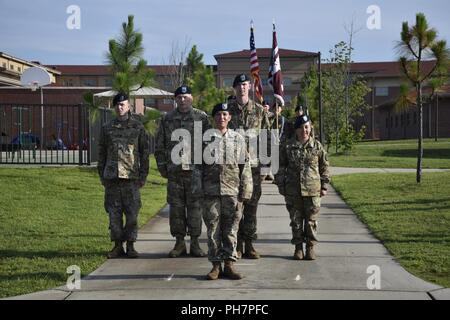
[(351, 31), (175, 66)]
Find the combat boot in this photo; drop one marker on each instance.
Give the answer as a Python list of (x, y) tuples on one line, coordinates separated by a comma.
[(131, 252), (215, 272), (195, 250), (229, 271), (179, 249), (117, 251), (310, 254), (250, 252), (298, 254), (239, 248)]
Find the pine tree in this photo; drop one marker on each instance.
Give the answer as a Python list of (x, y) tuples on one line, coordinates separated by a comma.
[(130, 71), (418, 44)]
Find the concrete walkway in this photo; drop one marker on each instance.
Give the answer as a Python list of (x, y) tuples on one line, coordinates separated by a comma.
[(346, 252)]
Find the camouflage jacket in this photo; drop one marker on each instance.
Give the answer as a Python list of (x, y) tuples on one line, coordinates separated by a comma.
[(163, 149), (123, 150), (303, 168), (225, 169), (251, 116)]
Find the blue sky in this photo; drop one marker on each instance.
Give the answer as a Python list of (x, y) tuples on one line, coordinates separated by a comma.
[(36, 30)]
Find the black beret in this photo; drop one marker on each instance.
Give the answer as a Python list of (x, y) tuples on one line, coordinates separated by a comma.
[(183, 90), (219, 107), (301, 120), (240, 78), (119, 98)]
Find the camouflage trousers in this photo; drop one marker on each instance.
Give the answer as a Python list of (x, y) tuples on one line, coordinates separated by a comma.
[(303, 212), (122, 197), (185, 215), (222, 215), (247, 226)]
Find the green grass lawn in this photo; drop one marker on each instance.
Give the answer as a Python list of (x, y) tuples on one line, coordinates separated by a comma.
[(412, 220), (52, 218), (394, 154)]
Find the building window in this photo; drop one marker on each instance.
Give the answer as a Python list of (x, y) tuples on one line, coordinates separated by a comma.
[(19, 69), (89, 83), (11, 67), (382, 91), (227, 82), (68, 83), (4, 65), (108, 82), (387, 123), (168, 101), (396, 121), (167, 82), (287, 81), (392, 122), (149, 102)]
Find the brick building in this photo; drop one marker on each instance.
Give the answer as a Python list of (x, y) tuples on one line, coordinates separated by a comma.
[(384, 78), (294, 64)]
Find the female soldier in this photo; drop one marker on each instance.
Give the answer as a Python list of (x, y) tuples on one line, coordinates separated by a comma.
[(225, 181), (302, 179)]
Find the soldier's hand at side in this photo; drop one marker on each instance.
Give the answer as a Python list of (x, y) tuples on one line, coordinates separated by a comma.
[(163, 171), (323, 192), (140, 184)]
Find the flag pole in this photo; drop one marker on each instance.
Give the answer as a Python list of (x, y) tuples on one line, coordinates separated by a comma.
[(276, 100), (253, 80)]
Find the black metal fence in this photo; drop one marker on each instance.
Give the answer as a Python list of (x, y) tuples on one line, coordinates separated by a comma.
[(44, 134), (51, 134)]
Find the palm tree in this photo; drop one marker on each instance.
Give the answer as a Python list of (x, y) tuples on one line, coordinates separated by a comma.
[(418, 44)]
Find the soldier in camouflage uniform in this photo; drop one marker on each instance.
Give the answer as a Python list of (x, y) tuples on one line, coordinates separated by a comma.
[(247, 114), (123, 168), (302, 179), (224, 180), (185, 207)]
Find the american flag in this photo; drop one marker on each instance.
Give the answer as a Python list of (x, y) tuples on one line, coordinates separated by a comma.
[(254, 68), (275, 78)]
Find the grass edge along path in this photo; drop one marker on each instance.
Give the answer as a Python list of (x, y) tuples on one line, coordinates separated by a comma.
[(53, 218), (411, 220)]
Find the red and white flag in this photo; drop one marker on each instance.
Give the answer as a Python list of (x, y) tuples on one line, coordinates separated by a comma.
[(275, 77), (254, 67)]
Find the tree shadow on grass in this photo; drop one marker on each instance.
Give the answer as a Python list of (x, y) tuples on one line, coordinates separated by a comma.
[(416, 239), (425, 205), (412, 153), (48, 254), (55, 276)]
